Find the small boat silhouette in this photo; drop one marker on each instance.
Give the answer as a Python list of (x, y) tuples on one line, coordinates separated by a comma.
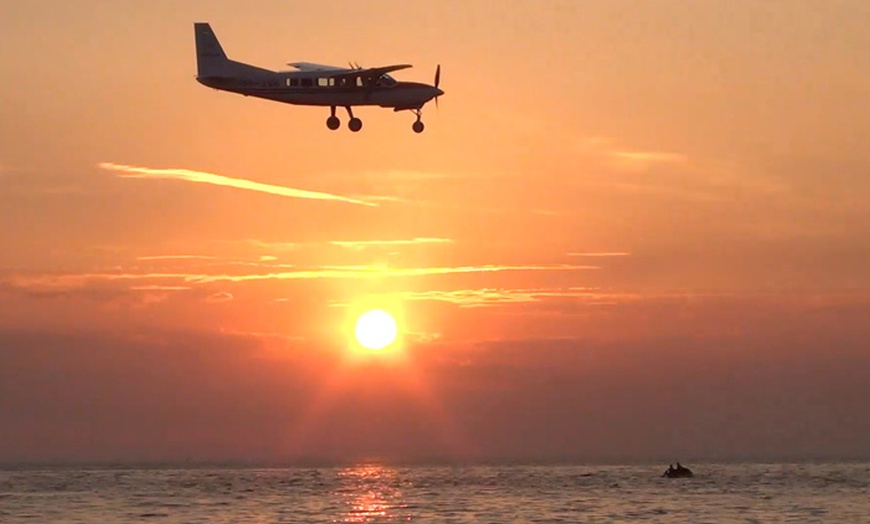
[(677, 472)]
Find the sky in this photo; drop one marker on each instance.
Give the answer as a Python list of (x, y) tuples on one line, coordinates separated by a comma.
[(630, 231)]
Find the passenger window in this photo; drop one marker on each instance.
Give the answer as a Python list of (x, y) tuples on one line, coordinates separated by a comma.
[(306, 82), (322, 82), (294, 82)]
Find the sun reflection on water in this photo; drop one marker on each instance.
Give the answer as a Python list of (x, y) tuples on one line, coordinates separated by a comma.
[(371, 493)]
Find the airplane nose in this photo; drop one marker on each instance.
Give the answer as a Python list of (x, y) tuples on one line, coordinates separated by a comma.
[(438, 92)]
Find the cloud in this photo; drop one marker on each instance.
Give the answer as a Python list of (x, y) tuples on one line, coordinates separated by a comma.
[(75, 287), (176, 257), (624, 159), (273, 246), (351, 272), (601, 254), (372, 199), (52, 284), (160, 288), (397, 175), (647, 157), (220, 297), (362, 244), (220, 180), (484, 297)]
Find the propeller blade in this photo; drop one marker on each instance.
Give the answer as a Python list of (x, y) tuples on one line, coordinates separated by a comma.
[(437, 75)]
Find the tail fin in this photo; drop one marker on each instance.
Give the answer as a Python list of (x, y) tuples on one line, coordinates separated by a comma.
[(210, 56), (211, 61)]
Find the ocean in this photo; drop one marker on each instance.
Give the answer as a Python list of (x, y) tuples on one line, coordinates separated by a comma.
[(837, 492)]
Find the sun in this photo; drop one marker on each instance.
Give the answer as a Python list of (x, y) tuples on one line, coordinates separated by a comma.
[(375, 329)]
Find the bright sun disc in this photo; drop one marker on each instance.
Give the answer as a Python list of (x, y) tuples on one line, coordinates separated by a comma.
[(375, 329)]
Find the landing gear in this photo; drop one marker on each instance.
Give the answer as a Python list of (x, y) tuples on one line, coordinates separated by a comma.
[(418, 126), (354, 124), (332, 122)]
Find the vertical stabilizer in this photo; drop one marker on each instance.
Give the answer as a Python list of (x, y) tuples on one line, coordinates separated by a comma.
[(210, 56)]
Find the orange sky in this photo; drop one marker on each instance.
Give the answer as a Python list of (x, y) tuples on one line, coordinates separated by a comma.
[(632, 230)]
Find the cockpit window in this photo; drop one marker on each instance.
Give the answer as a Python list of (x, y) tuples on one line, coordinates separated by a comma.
[(387, 81)]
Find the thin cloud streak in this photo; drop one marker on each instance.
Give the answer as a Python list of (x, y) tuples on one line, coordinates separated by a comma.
[(69, 282), (160, 288), (176, 257), (359, 272), (604, 148), (220, 180), (219, 297), (487, 297), (273, 246), (649, 156), (362, 244), (602, 254)]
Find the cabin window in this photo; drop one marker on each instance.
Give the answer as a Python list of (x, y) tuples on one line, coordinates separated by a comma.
[(307, 82), (359, 81), (293, 82), (322, 82)]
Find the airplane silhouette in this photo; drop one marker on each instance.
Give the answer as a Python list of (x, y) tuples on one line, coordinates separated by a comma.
[(313, 84)]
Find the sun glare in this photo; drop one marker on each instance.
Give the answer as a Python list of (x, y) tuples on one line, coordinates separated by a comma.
[(375, 329)]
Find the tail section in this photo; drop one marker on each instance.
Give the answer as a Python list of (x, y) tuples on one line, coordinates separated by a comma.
[(212, 61), (210, 57)]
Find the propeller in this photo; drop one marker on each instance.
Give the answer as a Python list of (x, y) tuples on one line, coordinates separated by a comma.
[(437, 81)]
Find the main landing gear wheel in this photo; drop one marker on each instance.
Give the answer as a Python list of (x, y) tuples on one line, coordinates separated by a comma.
[(354, 124), (332, 122)]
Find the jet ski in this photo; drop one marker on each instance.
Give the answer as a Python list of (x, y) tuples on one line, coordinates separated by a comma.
[(678, 472)]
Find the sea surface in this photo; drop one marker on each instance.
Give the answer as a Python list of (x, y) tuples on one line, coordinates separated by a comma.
[(497, 494)]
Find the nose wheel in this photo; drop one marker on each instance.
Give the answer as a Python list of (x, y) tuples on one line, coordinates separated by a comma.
[(418, 126)]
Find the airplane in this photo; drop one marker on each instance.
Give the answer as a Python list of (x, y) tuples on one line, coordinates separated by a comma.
[(313, 84)]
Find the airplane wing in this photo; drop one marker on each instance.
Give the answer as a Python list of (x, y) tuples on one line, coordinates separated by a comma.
[(368, 74), (376, 72), (312, 67)]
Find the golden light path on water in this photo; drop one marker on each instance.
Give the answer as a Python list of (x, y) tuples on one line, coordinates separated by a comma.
[(371, 493)]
